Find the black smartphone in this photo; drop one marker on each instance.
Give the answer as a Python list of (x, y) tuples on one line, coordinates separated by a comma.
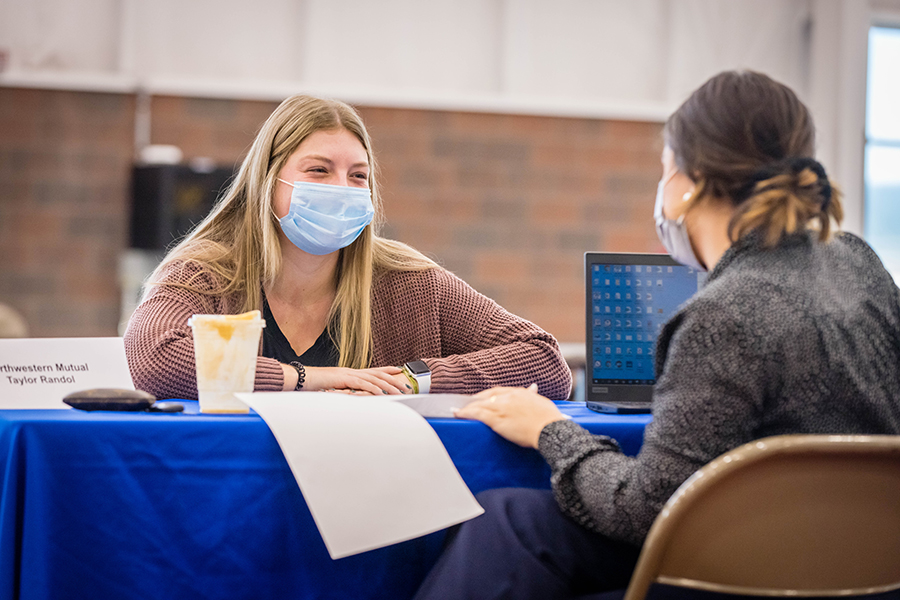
[(110, 399)]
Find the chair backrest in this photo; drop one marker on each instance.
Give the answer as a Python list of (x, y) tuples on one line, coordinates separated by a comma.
[(799, 515)]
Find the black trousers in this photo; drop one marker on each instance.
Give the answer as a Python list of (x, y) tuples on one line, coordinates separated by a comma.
[(523, 547)]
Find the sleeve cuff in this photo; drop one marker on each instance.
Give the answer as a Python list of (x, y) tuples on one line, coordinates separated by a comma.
[(269, 375), (561, 441)]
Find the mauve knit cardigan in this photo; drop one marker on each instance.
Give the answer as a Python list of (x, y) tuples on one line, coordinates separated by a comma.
[(469, 341)]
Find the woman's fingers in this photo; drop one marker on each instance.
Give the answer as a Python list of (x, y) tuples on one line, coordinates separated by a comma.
[(490, 392), (388, 370), (385, 383), (373, 381), (370, 383), (489, 406), (366, 386), (483, 411), (517, 414)]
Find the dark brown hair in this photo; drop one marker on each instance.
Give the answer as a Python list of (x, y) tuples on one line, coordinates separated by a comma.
[(746, 138)]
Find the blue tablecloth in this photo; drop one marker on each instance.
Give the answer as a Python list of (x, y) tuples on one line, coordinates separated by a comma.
[(139, 506)]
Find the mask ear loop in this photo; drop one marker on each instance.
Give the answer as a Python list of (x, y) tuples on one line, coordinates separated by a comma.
[(665, 182), (272, 202), (691, 197)]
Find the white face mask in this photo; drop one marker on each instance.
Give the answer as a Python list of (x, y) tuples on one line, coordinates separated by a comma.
[(673, 234), (324, 218)]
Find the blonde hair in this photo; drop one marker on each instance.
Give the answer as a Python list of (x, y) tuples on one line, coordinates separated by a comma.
[(745, 138), (238, 241)]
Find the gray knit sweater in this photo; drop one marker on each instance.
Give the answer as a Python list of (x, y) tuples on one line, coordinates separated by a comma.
[(803, 338)]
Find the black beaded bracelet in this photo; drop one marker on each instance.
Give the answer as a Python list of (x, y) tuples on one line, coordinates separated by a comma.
[(301, 374)]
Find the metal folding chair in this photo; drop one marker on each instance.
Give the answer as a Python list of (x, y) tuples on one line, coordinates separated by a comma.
[(793, 515)]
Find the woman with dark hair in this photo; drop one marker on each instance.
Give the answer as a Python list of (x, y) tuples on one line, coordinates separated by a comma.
[(796, 330)]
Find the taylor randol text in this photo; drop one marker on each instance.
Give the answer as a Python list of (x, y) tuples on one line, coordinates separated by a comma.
[(42, 374)]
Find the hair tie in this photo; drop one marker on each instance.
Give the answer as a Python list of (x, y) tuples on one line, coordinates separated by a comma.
[(795, 165), (799, 164)]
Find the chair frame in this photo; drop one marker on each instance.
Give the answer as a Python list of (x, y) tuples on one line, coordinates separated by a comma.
[(771, 518)]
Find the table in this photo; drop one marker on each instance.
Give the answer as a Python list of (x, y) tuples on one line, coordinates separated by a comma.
[(139, 506)]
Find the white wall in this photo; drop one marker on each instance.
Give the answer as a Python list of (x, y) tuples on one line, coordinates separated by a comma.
[(633, 59), (637, 57)]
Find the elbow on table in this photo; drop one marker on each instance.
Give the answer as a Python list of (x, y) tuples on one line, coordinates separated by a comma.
[(557, 383), (157, 371), (162, 383), (558, 386)]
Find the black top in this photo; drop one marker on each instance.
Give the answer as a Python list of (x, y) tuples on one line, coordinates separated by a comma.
[(323, 353)]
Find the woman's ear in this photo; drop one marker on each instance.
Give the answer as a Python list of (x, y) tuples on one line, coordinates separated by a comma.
[(698, 190)]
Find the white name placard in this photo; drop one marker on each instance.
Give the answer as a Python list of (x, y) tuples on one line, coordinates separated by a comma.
[(38, 372)]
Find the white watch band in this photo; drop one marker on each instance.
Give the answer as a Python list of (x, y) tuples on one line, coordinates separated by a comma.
[(419, 374), (424, 382)]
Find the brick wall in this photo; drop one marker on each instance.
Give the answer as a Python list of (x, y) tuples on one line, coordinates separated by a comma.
[(510, 203), (64, 178)]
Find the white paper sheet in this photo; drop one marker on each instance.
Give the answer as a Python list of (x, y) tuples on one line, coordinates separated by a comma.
[(433, 405), (37, 373), (372, 471), (437, 405)]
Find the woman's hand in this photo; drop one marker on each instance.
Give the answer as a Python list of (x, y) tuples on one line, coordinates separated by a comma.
[(400, 381), (518, 414), (375, 381)]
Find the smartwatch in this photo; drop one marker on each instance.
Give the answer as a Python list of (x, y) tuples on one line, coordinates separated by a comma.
[(419, 375)]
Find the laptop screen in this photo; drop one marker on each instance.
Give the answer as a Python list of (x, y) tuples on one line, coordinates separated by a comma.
[(630, 297)]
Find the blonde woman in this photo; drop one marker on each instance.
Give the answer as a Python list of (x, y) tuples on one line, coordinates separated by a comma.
[(295, 237)]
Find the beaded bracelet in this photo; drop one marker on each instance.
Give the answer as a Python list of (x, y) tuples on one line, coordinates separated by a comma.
[(301, 374)]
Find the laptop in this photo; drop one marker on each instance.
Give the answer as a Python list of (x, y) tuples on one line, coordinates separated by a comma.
[(629, 298)]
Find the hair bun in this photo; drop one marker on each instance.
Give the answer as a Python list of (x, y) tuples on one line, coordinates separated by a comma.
[(793, 166), (797, 165)]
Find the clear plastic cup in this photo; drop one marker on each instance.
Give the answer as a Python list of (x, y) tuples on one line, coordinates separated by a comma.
[(225, 349)]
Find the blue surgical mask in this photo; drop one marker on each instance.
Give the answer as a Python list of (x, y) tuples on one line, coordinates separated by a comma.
[(673, 234), (325, 218)]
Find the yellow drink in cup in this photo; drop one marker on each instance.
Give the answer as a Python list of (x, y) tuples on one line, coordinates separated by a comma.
[(225, 349)]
